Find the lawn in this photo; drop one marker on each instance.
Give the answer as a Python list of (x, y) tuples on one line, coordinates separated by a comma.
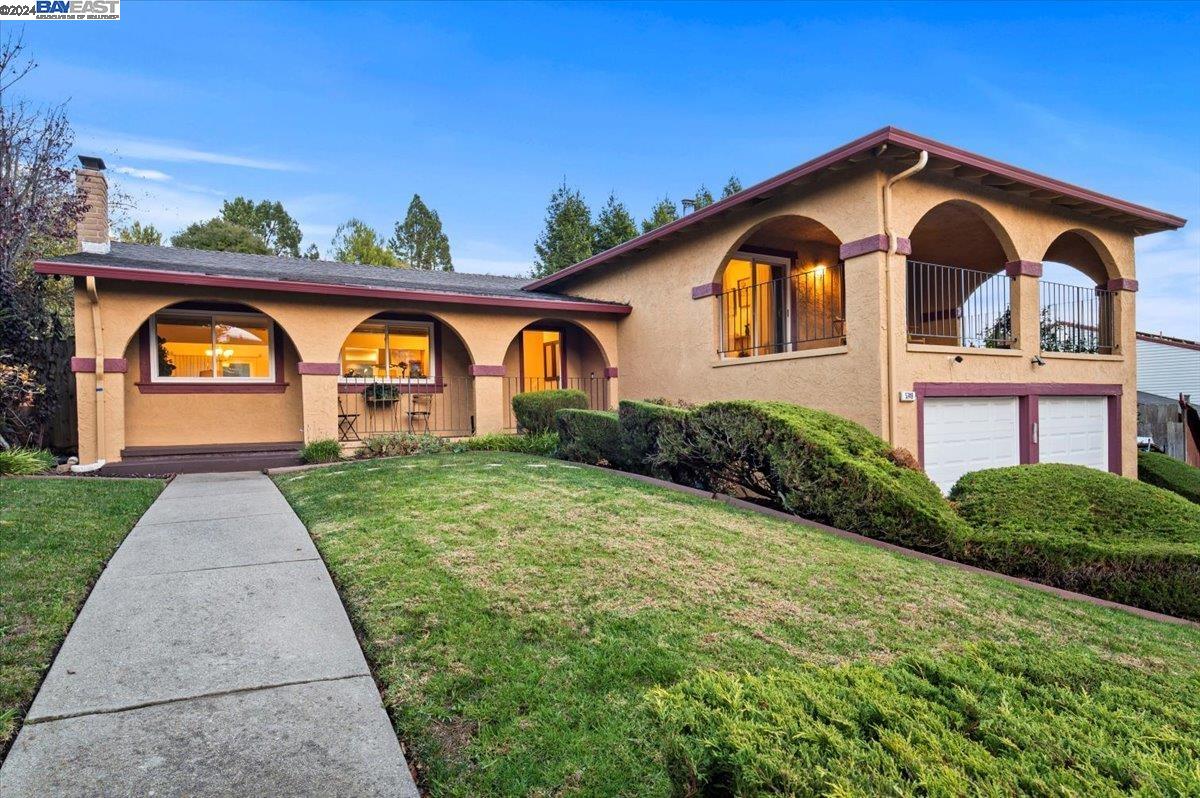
[(55, 537), (520, 611)]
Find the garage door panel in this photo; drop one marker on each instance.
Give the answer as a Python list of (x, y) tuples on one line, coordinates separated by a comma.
[(969, 434), (1073, 429)]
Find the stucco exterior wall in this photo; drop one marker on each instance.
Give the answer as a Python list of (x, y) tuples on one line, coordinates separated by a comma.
[(308, 408)]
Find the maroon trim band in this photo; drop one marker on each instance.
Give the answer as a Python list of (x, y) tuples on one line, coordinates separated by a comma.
[(707, 289), (320, 369), (87, 365), (487, 371), (1122, 284), (1023, 268), (301, 287), (610, 371), (875, 243)]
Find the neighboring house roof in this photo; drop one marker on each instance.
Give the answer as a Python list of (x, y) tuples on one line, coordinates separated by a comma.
[(146, 263), (943, 158), (1144, 398), (1167, 340), (1168, 366)]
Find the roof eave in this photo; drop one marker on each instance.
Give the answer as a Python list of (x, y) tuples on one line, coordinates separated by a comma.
[(1153, 220), (165, 276)]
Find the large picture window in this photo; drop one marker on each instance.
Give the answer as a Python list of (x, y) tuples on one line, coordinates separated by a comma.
[(195, 346), (400, 351)]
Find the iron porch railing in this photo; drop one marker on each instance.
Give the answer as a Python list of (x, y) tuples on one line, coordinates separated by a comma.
[(953, 306)]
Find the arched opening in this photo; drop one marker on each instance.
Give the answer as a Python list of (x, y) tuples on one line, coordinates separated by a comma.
[(555, 353), (957, 292), (403, 372), (780, 289), (211, 374), (1078, 312)]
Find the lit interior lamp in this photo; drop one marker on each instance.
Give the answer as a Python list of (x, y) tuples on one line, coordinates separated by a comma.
[(819, 269)]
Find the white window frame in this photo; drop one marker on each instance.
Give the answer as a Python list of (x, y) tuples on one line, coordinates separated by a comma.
[(212, 315), (387, 325)]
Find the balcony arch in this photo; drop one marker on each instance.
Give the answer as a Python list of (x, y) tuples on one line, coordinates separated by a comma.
[(1077, 311), (780, 289), (555, 353), (956, 290)]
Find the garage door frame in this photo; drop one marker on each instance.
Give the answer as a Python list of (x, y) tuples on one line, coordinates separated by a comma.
[(1027, 394)]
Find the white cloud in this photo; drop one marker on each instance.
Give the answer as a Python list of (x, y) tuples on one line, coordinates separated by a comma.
[(143, 174), (153, 150)]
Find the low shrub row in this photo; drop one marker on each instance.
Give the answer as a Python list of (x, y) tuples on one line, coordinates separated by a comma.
[(535, 410), (1170, 474), (540, 443), (1085, 530), (1058, 723), (590, 436)]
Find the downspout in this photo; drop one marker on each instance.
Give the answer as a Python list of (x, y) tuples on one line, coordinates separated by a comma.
[(891, 250), (98, 337)]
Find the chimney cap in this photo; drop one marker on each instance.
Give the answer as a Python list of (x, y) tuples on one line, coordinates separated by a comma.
[(91, 162)]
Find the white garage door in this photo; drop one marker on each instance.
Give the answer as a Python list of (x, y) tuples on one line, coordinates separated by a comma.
[(969, 434), (1073, 429)]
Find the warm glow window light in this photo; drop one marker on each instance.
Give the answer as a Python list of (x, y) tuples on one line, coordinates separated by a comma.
[(203, 346), (389, 351)]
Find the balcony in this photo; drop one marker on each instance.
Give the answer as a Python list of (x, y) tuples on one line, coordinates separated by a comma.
[(804, 310), (1077, 319), (953, 306)]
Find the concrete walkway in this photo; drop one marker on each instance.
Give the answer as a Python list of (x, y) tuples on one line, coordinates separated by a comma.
[(213, 658)]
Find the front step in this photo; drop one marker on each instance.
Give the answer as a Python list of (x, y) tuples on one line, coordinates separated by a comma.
[(211, 458)]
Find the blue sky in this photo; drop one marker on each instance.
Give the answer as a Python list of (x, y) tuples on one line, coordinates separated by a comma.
[(346, 109)]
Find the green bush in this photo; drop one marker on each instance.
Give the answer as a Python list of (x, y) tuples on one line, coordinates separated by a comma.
[(394, 444), (535, 409), (815, 464), (986, 721), (323, 451), (590, 436), (1171, 474), (545, 443), (643, 425), (19, 461), (1085, 530)]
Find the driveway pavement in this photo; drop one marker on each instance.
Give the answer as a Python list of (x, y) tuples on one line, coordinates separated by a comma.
[(213, 658)]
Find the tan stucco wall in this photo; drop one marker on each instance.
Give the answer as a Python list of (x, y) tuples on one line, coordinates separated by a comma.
[(317, 325), (668, 343)]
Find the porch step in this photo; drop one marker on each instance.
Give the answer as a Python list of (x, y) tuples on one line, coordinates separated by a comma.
[(210, 458)]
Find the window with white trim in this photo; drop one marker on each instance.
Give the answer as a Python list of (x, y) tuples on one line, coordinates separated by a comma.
[(198, 346), (396, 351)]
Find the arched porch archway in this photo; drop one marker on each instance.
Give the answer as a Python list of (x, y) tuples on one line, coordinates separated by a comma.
[(1077, 311), (556, 353)]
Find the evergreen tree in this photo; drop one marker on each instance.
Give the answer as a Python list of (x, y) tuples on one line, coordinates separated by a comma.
[(703, 199), (567, 237), (312, 253), (356, 242), (664, 211), (137, 234), (732, 187), (614, 225), (268, 220), (222, 236), (419, 240)]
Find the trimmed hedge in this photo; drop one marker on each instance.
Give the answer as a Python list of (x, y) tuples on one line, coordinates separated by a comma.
[(817, 465), (1170, 474), (535, 409), (590, 436), (1085, 530), (643, 425), (986, 721)]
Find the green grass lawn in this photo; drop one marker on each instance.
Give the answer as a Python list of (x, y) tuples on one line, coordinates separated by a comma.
[(519, 610), (55, 537)]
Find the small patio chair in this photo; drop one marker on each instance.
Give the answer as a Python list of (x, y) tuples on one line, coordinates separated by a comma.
[(347, 424), (420, 407)]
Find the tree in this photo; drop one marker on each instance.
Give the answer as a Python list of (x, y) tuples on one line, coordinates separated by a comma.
[(39, 208), (312, 253), (222, 236), (664, 211), (419, 241), (268, 220), (136, 234), (703, 198), (567, 237), (732, 186), (614, 225), (356, 242)]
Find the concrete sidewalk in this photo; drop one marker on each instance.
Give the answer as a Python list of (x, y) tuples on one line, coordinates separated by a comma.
[(213, 658)]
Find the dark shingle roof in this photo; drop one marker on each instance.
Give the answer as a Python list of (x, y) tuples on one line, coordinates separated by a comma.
[(269, 267)]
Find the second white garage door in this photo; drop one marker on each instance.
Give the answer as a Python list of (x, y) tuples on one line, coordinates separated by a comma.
[(969, 434), (1073, 429)]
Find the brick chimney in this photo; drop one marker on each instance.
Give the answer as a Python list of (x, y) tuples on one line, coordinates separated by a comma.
[(92, 230)]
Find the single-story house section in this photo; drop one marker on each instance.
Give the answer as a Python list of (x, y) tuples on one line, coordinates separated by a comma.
[(894, 281)]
